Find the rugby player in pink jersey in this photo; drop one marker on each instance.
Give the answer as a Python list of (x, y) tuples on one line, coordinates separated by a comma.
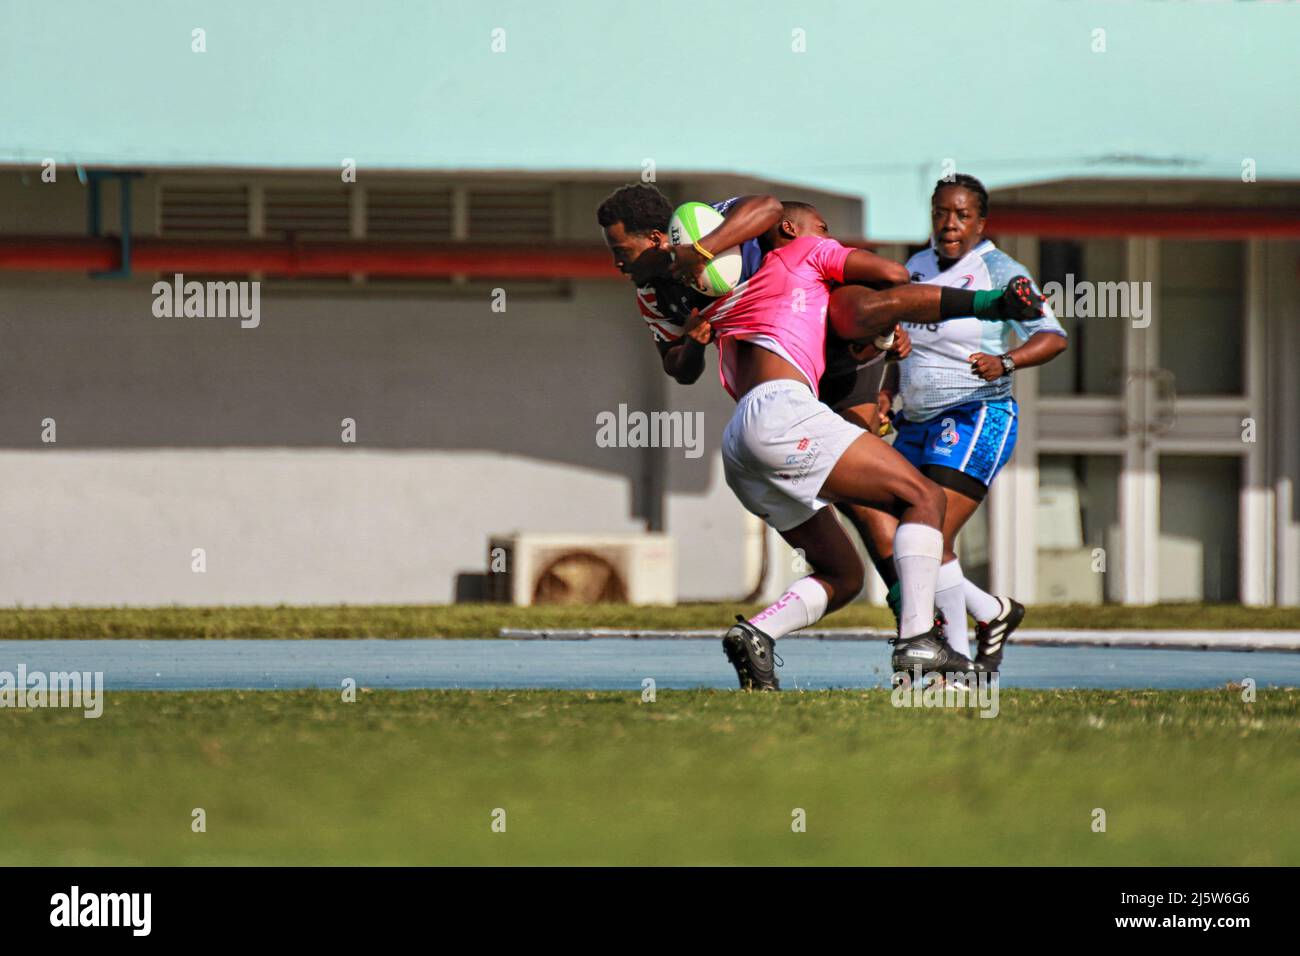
[(788, 456), (634, 221)]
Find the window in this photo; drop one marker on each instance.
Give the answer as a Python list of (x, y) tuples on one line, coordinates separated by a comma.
[(1069, 274), (395, 210), (1202, 315), (1199, 518), (219, 211), (1078, 529)]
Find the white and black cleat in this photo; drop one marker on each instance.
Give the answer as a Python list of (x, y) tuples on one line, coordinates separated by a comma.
[(992, 636), (753, 654)]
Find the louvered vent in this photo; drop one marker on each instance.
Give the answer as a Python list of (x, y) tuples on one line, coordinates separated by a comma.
[(519, 215), (308, 213), (417, 216), (205, 212)]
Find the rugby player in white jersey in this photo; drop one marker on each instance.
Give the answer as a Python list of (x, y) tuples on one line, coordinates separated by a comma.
[(958, 418)]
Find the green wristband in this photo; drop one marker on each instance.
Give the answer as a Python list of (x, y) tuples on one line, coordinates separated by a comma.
[(988, 304)]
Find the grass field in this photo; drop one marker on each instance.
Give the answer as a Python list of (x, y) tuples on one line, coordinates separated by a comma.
[(486, 620), (701, 777)]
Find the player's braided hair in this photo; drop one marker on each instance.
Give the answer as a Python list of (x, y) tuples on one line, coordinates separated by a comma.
[(966, 182), (639, 207)]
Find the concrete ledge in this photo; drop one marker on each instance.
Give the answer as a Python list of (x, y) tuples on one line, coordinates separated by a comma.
[(1167, 640)]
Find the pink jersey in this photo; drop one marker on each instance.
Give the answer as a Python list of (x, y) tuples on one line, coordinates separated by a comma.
[(782, 307)]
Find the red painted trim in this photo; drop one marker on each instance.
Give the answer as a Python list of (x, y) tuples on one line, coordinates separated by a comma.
[(582, 260), (1116, 221), (79, 254)]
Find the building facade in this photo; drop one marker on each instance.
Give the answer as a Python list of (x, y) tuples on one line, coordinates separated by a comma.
[(1157, 459)]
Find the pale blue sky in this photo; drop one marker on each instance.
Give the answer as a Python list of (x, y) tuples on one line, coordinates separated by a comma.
[(1011, 90)]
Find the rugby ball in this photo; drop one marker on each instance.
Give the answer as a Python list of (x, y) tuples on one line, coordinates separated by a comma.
[(693, 221)]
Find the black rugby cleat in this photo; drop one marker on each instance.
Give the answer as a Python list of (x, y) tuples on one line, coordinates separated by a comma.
[(929, 652), (1019, 301), (753, 654)]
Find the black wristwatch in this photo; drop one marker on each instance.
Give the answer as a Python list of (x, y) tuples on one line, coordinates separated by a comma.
[(1008, 364)]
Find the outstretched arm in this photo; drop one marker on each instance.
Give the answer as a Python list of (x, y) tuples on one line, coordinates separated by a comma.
[(867, 268), (747, 218)]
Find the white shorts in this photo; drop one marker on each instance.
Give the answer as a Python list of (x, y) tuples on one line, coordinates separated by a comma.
[(778, 449)]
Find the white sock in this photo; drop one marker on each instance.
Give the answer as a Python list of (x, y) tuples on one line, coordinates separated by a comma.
[(950, 597), (803, 604), (918, 549), (981, 605)]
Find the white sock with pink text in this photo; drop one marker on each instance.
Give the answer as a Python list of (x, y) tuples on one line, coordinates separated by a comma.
[(803, 604)]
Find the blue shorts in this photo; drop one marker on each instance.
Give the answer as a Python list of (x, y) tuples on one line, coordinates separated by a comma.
[(975, 439)]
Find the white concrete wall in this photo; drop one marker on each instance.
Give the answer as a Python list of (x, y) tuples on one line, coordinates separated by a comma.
[(299, 526), (182, 433)]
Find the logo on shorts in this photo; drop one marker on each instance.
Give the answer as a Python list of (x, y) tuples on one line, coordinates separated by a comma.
[(948, 437), (803, 462)]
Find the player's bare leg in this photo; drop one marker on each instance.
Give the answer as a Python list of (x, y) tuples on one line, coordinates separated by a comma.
[(836, 566), (871, 472), (868, 470), (837, 579), (876, 528)]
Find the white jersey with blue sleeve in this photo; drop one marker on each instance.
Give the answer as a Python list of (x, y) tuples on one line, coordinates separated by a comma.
[(937, 375)]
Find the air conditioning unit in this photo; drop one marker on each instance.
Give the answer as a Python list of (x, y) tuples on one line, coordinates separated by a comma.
[(582, 569)]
